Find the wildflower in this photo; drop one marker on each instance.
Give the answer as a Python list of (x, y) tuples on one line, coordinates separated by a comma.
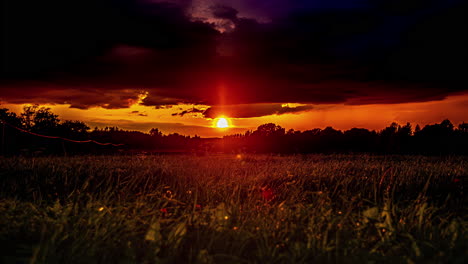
[(163, 210), (267, 194)]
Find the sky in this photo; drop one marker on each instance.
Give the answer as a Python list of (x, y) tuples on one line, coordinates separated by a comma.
[(177, 65)]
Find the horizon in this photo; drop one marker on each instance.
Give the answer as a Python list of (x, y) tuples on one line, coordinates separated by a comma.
[(289, 121), (228, 126), (38, 130)]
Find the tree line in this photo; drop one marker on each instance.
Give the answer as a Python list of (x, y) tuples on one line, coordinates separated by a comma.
[(435, 139), (441, 138)]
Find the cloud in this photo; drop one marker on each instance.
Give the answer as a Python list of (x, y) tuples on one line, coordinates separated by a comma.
[(253, 110), (224, 12), (193, 110), (309, 52), (245, 110), (138, 113)]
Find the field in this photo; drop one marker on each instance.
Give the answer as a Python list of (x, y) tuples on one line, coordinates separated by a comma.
[(234, 209)]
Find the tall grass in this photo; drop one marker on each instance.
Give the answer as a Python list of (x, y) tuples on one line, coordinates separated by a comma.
[(234, 209)]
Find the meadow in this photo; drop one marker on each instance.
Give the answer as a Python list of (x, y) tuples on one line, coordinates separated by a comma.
[(234, 209)]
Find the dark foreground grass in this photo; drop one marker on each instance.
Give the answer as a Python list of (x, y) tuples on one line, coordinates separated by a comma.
[(234, 209)]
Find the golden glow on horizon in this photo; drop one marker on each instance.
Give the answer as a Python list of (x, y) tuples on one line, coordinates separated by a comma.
[(222, 123), (339, 116)]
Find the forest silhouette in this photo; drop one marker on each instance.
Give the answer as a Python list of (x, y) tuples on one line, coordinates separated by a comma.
[(38, 131)]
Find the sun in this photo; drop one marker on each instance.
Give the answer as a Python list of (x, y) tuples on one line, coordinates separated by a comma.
[(222, 123)]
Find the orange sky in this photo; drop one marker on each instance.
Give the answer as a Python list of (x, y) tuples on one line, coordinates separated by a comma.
[(339, 116)]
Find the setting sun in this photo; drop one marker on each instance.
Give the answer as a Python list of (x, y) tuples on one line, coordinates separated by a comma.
[(222, 123)]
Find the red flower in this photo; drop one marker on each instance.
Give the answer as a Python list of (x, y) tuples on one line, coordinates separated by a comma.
[(164, 210), (267, 194), (456, 180)]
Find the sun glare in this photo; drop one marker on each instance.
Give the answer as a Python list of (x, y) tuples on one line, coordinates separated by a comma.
[(222, 123)]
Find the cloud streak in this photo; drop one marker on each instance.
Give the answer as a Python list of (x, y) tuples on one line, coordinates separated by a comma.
[(253, 110)]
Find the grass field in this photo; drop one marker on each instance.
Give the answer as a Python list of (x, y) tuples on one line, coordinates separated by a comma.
[(234, 209)]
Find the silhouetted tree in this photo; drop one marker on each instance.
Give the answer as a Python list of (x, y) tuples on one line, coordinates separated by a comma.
[(269, 129), (10, 117), (405, 131), (45, 121), (463, 127), (154, 132), (417, 129), (360, 140), (75, 129), (27, 116), (388, 138), (10, 140)]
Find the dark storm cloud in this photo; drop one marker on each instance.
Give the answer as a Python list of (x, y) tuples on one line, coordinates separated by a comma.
[(109, 50), (225, 12), (108, 53), (78, 97)]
